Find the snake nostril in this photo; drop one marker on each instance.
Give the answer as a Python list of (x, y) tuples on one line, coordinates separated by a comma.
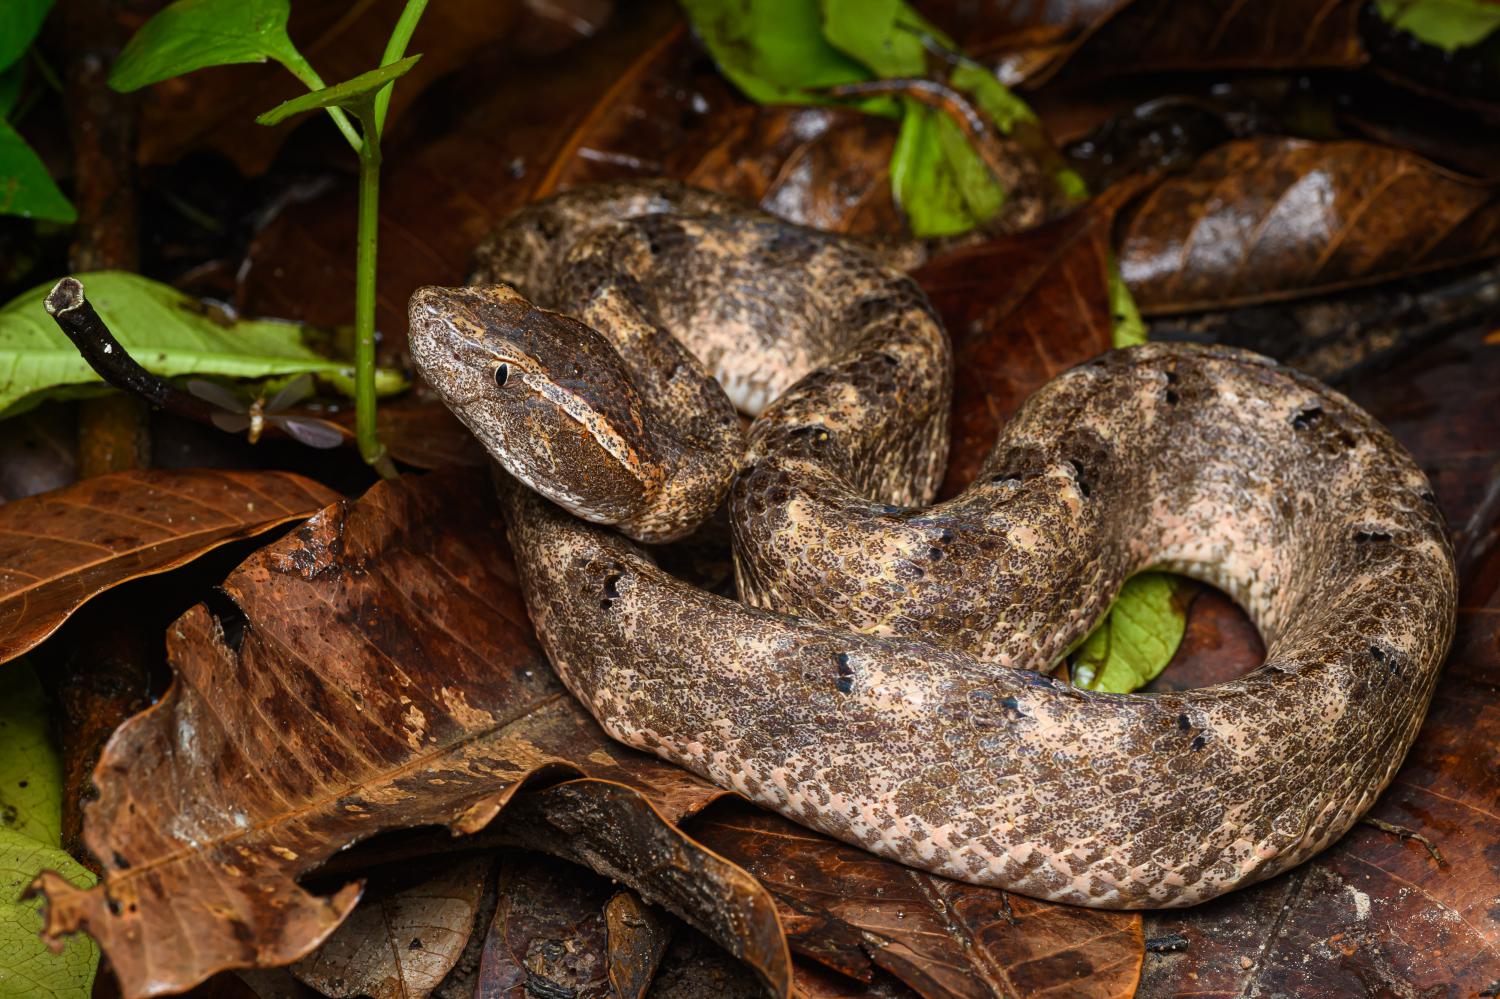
[(1171, 397), (845, 681)]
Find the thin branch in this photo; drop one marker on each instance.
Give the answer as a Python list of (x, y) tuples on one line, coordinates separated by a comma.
[(76, 317)]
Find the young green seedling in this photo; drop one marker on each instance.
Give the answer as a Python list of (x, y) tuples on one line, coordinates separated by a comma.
[(193, 34)]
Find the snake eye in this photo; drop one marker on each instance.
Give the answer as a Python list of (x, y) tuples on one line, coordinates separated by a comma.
[(502, 374)]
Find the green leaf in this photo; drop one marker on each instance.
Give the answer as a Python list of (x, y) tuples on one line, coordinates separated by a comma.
[(884, 35), (937, 177), (19, 23), (169, 333), (194, 34), (1446, 24), (773, 50), (1129, 329), (10, 88), (30, 831), (25, 187), (30, 770), (355, 95), (27, 967), (1136, 641)]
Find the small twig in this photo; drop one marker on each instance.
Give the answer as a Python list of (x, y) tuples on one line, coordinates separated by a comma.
[(68, 306), (76, 317), (1405, 834), (1168, 943)]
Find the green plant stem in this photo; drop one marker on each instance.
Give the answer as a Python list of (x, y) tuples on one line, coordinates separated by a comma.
[(395, 50), (370, 447), (302, 70)]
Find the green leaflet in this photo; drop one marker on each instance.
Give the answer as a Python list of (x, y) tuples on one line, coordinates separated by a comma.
[(773, 50), (30, 834), (350, 94), (1129, 329), (194, 34), (19, 23), (168, 332), (1135, 642), (1446, 24), (26, 189)]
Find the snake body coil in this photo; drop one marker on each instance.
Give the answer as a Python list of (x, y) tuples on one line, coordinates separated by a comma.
[(886, 684)]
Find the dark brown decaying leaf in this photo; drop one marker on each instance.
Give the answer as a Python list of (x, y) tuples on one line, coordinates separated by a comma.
[(404, 936), (848, 910), (1269, 218), (616, 831), (58, 549), (372, 670), (1152, 36), (1020, 309), (638, 936), (548, 936)]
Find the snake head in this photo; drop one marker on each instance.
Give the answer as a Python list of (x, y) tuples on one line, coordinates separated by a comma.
[(547, 396)]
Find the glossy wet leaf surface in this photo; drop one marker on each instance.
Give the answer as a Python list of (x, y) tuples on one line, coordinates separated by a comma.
[(1264, 219), (60, 548)]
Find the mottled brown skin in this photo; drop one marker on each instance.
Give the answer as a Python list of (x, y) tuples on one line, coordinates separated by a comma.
[(904, 708)]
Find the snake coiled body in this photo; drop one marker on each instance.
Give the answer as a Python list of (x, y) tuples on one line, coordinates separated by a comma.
[(884, 680)]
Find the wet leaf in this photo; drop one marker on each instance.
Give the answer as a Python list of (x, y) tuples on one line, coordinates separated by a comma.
[(58, 549), (373, 670), (30, 841), (850, 910), (548, 936), (166, 331), (638, 936), (404, 936), (1273, 218), (1136, 641), (1155, 36)]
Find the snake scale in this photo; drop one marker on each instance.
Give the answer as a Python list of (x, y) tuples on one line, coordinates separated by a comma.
[(883, 677)]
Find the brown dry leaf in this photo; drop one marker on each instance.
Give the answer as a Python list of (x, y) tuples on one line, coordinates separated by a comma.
[(548, 936), (1020, 309), (1272, 218), (847, 908), (405, 935), (638, 936), (217, 108), (373, 670), (58, 549), (1155, 36)]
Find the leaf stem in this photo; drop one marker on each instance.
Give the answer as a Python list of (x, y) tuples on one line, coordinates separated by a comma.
[(370, 447), (395, 49), (302, 70)]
